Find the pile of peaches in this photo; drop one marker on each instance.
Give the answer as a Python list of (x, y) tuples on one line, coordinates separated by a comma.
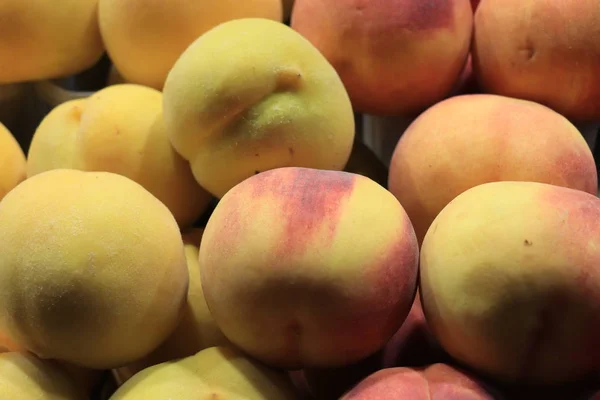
[(212, 223)]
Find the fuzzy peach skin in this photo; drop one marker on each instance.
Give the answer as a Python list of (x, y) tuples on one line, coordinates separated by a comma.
[(40, 40), (394, 56), (510, 281), (220, 373), (92, 268), (309, 268), (434, 382), (196, 330), (468, 140), (25, 377), (144, 38), (532, 49), (12, 162), (252, 95), (120, 129)]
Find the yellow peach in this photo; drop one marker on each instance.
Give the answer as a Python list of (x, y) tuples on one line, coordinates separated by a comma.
[(120, 129), (252, 95), (92, 268), (25, 377), (40, 39), (144, 38), (222, 373)]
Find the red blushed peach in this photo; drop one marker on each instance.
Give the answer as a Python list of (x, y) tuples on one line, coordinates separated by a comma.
[(436, 382), (534, 50), (475, 4), (468, 140), (309, 268), (395, 56)]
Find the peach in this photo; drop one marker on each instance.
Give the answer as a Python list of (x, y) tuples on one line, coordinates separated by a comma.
[(196, 330), (468, 140), (144, 38), (120, 129), (25, 377), (92, 268), (222, 373), (40, 40), (510, 281), (394, 57), (435, 382), (12, 162), (262, 98), (309, 268), (532, 50)]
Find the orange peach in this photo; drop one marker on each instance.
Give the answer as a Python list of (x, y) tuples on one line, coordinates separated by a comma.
[(12, 162), (394, 56), (533, 50), (435, 382), (468, 140), (309, 268), (41, 39), (144, 38), (510, 281)]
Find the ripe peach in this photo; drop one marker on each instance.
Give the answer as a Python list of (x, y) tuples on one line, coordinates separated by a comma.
[(144, 38), (532, 49), (510, 281), (309, 268), (262, 97), (25, 377), (395, 56), (473, 139), (40, 39), (435, 382), (12, 162), (120, 129), (92, 268), (219, 373)]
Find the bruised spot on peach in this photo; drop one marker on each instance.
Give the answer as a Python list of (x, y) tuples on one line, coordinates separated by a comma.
[(309, 199)]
